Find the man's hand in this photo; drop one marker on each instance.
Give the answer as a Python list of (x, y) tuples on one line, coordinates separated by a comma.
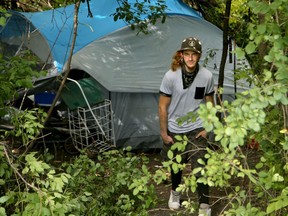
[(202, 134), (167, 139)]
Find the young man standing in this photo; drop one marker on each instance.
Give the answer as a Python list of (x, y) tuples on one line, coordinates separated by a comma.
[(184, 87)]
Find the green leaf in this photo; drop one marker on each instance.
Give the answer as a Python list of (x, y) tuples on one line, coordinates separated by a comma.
[(259, 166), (277, 95), (2, 21), (25, 170), (201, 161), (250, 48), (240, 53), (277, 178), (241, 132), (57, 184), (178, 138), (170, 154), (268, 74), (261, 29), (272, 101), (208, 126), (240, 174), (197, 170), (224, 141), (218, 137), (2, 211), (282, 74), (57, 195), (3, 199), (175, 168), (284, 100), (229, 131), (209, 105), (272, 207), (285, 144), (2, 182), (135, 191), (64, 178), (178, 158)]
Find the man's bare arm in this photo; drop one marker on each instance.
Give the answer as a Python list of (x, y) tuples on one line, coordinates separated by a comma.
[(164, 103), (210, 98)]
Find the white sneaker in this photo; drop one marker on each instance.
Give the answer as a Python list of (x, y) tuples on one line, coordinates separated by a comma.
[(174, 200), (204, 210)]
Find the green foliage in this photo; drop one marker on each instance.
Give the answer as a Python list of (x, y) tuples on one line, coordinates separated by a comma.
[(117, 183), (133, 14), (244, 210), (16, 72), (37, 191), (272, 32), (27, 124), (5, 170), (3, 17), (174, 162), (214, 12)]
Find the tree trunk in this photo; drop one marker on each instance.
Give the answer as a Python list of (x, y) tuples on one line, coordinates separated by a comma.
[(262, 48), (66, 73), (225, 50)]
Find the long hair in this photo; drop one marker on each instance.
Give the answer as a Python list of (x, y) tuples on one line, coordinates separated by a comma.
[(176, 61)]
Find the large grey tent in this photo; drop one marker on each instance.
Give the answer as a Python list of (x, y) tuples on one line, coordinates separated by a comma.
[(127, 67)]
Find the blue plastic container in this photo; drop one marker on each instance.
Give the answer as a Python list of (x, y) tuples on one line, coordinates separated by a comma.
[(44, 98)]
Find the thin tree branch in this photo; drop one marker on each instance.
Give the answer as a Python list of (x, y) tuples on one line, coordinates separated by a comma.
[(67, 71)]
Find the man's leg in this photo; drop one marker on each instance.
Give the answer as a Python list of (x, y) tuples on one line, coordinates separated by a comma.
[(174, 200), (203, 193), (175, 179), (198, 151)]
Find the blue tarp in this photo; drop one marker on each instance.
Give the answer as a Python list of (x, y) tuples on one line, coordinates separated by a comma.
[(56, 26)]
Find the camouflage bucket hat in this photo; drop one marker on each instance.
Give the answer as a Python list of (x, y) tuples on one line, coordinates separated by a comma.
[(191, 43)]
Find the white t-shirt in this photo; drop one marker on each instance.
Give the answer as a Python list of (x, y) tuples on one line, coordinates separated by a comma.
[(186, 100)]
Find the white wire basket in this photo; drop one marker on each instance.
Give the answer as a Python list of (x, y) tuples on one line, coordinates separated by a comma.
[(92, 127)]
